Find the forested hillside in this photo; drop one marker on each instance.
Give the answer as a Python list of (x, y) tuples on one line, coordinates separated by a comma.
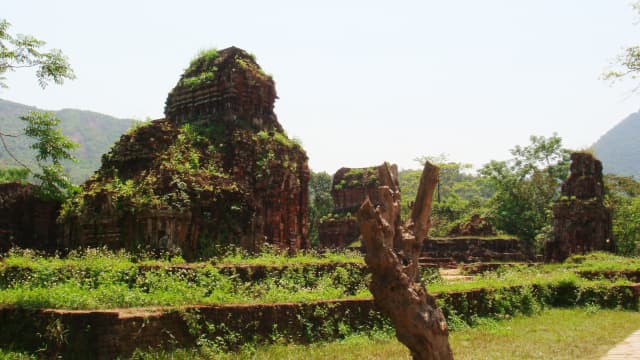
[(95, 133), (619, 148)]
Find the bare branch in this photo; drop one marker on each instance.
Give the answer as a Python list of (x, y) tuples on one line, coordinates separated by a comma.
[(6, 148)]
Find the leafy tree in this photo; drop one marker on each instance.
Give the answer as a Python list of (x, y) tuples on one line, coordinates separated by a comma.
[(628, 62), (459, 194), (320, 202), (623, 195), (526, 187), (51, 149), (24, 51)]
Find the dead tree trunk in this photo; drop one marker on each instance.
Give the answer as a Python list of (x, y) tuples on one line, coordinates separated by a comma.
[(395, 282)]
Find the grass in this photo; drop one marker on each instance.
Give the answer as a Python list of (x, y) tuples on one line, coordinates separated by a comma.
[(579, 333), (582, 333), (104, 258), (98, 278)]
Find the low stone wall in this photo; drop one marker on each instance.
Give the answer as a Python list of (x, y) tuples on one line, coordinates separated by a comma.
[(338, 233), (474, 249), (105, 334), (244, 273), (480, 268), (631, 275)]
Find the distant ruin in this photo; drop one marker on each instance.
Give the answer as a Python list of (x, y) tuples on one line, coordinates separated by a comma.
[(349, 189), (218, 170), (26, 220), (476, 226), (581, 221)]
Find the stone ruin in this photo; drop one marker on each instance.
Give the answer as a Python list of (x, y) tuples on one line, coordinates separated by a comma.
[(581, 221), (349, 189), (26, 220), (476, 226), (217, 170)]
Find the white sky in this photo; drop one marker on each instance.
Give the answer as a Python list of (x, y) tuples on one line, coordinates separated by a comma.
[(360, 82)]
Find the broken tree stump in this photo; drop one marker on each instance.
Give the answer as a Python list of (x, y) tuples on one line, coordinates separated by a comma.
[(395, 282)]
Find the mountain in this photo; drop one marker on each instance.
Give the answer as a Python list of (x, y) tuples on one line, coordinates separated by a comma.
[(95, 133), (619, 148)]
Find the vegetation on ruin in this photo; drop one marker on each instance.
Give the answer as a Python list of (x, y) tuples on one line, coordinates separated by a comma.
[(99, 278), (338, 216), (551, 334), (13, 174), (367, 177), (201, 68), (188, 170)]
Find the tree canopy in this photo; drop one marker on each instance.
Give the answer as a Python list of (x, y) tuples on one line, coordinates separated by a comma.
[(526, 186), (24, 51)]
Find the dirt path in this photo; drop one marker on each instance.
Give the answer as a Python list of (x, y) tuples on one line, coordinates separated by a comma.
[(627, 349)]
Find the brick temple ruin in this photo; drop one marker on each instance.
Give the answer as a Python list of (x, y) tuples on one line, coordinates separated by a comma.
[(475, 226), (217, 170), (349, 189), (581, 221), (26, 220)]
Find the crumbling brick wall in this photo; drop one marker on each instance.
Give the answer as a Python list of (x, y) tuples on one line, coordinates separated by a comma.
[(26, 220), (349, 188), (581, 221), (218, 170)]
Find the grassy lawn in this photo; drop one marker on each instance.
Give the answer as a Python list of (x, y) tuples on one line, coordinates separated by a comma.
[(99, 279), (579, 333)]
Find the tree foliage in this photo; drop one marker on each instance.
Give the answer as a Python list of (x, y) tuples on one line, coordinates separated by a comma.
[(623, 195), (51, 149), (627, 64), (320, 202), (459, 193), (526, 186), (25, 51)]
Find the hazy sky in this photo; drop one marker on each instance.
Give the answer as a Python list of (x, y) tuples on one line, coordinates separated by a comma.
[(360, 82)]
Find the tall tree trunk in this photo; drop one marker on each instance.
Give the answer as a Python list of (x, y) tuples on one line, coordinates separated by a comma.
[(395, 283)]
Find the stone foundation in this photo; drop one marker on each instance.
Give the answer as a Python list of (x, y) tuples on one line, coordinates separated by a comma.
[(468, 250)]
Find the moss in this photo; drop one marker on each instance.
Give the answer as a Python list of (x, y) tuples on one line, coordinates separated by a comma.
[(356, 178), (199, 79), (201, 68), (280, 138), (341, 216), (204, 56)]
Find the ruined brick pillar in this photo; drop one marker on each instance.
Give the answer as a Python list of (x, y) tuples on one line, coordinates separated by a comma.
[(581, 221), (349, 189)]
